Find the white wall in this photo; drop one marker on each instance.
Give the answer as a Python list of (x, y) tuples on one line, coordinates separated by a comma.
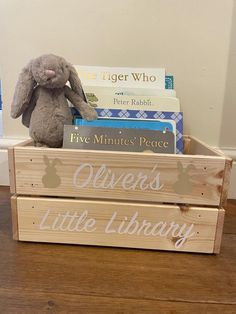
[(228, 125), (190, 38)]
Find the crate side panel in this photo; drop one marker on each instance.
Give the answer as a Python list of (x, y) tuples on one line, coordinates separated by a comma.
[(118, 175), (226, 181), (219, 230), (11, 167), (14, 218), (133, 225), (197, 147)]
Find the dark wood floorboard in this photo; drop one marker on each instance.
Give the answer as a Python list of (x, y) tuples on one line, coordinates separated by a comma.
[(42, 278)]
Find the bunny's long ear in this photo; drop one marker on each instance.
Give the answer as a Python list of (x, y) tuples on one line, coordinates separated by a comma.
[(190, 167), (56, 161), (46, 160), (180, 166), (23, 91), (75, 82)]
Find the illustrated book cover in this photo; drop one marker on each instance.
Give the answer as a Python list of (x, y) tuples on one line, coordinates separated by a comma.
[(177, 117), (121, 76)]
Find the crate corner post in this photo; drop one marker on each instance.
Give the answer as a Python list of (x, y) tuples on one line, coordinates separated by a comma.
[(11, 167), (14, 213)]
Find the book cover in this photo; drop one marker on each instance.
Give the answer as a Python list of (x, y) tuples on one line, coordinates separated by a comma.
[(132, 98), (143, 115), (129, 91), (114, 139), (121, 76), (106, 101), (158, 125), (169, 82)]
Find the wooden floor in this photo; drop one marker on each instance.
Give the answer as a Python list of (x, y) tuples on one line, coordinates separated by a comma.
[(44, 278)]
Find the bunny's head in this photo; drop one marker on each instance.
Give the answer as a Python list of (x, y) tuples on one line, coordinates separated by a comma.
[(49, 71)]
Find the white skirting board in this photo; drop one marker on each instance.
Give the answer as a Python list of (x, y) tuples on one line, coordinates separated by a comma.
[(4, 175)]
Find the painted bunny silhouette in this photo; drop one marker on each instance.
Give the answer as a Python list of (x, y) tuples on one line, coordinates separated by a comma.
[(183, 185), (51, 178)]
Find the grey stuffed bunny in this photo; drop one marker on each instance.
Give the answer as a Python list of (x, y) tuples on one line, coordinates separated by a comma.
[(41, 97)]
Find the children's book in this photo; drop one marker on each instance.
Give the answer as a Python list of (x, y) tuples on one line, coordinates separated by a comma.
[(121, 77), (158, 125), (128, 91), (169, 82), (116, 139), (177, 117), (126, 102)]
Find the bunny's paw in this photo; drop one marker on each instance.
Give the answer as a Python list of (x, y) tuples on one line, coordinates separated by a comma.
[(89, 114)]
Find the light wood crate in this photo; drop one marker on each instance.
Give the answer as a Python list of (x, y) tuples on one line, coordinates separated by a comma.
[(125, 199)]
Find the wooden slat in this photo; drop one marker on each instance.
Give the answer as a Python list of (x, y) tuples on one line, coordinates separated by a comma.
[(198, 147), (117, 224), (14, 218), (219, 230), (42, 278), (187, 141), (181, 178), (226, 181), (11, 164)]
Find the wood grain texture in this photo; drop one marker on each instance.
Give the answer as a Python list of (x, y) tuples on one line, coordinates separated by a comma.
[(197, 147), (33, 226), (182, 178), (11, 164), (26, 301), (187, 141), (42, 278), (219, 230), (14, 217), (226, 181), (230, 222)]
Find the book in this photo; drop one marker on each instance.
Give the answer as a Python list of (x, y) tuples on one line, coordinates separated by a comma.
[(114, 139), (177, 117), (158, 125), (129, 91), (121, 92), (148, 124), (100, 100), (121, 76), (169, 82), (128, 88), (132, 98)]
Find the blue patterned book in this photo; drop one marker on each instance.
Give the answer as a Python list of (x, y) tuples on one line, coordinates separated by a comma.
[(144, 115)]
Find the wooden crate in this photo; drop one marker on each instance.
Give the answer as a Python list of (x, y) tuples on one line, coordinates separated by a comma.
[(125, 199)]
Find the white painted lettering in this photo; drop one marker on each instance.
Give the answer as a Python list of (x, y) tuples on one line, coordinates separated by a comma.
[(130, 225)]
